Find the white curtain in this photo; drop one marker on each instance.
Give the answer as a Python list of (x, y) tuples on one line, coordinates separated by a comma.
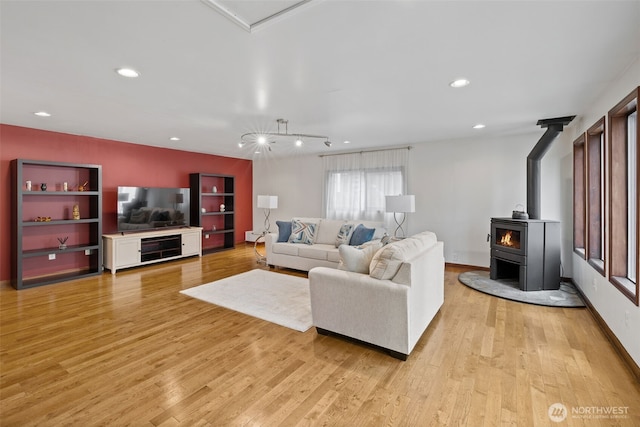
[(355, 185)]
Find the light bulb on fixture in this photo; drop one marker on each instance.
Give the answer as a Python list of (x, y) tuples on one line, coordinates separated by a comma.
[(127, 72), (298, 142), (459, 83), (327, 143), (262, 140), (241, 144)]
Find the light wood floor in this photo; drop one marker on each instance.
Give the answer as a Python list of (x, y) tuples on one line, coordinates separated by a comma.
[(131, 350)]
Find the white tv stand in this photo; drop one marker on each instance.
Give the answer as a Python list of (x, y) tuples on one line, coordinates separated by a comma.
[(124, 250)]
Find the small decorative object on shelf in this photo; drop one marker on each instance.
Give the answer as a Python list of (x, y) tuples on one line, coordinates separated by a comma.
[(63, 242), (214, 189), (28, 185), (65, 186), (76, 212), (83, 187), (43, 186), (213, 228), (222, 207), (204, 210), (42, 219)]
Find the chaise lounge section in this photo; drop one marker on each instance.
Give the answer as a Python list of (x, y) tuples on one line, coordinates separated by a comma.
[(390, 307)]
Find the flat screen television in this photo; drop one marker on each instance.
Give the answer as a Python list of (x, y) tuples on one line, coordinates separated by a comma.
[(150, 208)]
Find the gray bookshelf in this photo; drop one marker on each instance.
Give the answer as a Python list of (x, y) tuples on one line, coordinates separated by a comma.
[(41, 216), (208, 192)]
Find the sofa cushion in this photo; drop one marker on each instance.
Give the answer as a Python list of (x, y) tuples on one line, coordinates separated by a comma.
[(358, 258), (344, 234), (316, 251), (327, 231), (284, 230), (387, 261), (333, 255), (361, 235), (285, 249), (302, 232)]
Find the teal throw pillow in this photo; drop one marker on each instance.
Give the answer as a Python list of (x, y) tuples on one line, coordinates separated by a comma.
[(361, 235), (284, 230)]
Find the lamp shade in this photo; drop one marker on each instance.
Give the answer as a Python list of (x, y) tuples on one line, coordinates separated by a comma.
[(401, 203), (268, 202)]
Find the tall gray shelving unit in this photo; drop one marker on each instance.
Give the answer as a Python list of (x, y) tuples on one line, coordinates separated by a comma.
[(41, 216), (208, 192)]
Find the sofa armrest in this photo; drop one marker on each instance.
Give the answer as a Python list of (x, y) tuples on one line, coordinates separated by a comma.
[(359, 306)]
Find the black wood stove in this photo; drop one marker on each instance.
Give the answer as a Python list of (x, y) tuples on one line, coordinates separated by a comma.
[(529, 249)]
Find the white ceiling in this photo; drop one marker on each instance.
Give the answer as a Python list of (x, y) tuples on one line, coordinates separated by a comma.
[(375, 73)]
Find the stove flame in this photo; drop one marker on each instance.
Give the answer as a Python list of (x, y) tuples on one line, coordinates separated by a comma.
[(506, 240)]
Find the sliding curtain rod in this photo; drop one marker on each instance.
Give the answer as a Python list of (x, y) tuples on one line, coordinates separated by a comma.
[(366, 151)]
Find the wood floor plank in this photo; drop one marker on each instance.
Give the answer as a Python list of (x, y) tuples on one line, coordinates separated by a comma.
[(130, 349)]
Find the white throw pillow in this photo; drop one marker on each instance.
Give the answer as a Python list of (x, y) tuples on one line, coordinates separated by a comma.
[(386, 263), (358, 258)]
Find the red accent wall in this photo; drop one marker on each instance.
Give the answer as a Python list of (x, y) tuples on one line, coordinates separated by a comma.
[(122, 164)]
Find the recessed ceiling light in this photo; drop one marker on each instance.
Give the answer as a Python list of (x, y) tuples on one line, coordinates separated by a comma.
[(174, 138), (459, 83), (127, 72), (479, 126), (42, 114), (347, 142)]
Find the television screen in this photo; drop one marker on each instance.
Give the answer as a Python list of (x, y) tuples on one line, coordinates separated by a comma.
[(148, 208)]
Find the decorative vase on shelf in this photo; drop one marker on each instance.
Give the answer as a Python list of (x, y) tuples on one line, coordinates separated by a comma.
[(214, 189), (222, 208), (76, 212), (43, 186), (28, 185), (63, 242)]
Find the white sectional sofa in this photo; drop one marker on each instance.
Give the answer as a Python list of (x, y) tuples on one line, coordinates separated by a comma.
[(391, 306), (322, 252)]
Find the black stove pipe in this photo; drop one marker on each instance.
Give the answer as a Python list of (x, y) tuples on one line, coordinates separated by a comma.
[(554, 127)]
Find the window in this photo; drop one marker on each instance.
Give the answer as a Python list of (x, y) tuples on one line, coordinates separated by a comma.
[(361, 194), (596, 196), (623, 188), (356, 184), (579, 197)]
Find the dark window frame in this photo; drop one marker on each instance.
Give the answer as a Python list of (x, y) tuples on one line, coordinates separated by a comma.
[(618, 226), (596, 196), (580, 196)]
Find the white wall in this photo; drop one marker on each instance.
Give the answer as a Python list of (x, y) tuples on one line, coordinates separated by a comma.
[(610, 303), (459, 186)]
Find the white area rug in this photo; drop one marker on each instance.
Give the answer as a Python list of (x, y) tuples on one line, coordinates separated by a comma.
[(274, 297)]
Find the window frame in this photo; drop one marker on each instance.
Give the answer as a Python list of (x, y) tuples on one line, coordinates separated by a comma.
[(618, 224), (580, 196), (596, 196)]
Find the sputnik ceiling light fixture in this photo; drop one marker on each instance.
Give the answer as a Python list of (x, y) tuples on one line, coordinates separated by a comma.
[(268, 138)]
